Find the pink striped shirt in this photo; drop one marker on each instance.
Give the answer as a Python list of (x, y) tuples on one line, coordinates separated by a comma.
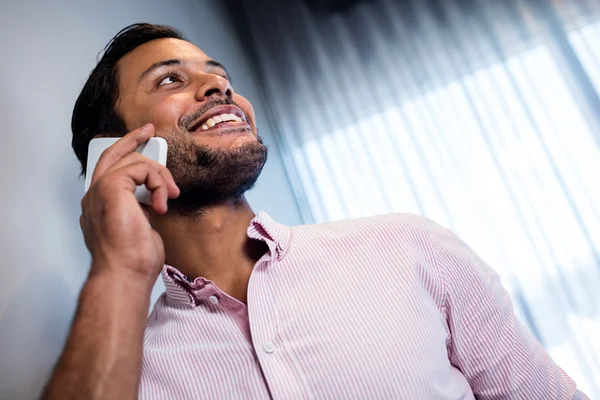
[(390, 307)]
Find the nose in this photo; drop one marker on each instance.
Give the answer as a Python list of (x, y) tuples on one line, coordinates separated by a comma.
[(214, 85)]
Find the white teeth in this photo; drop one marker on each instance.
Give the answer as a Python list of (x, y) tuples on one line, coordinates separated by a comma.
[(217, 119)]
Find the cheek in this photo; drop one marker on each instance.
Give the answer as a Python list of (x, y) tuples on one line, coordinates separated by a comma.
[(163, 112), (246, 107)]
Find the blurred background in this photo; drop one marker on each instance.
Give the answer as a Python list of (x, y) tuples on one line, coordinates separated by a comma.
[(483, 115)]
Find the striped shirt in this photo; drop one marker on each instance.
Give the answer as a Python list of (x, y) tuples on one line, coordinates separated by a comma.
[(390, 307)]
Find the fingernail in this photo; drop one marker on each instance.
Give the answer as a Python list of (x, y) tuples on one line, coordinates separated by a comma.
[(146, 127)]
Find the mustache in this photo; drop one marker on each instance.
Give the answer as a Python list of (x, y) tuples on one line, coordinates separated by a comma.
[(186, 121)]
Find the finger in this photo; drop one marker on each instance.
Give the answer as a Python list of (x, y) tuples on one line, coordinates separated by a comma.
[(134, 158), (122, 147), (172, 188), (129, 159), (158, 186), (159, 199), (143, 173)]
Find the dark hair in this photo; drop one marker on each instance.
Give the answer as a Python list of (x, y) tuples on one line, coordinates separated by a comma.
[(94, 112)]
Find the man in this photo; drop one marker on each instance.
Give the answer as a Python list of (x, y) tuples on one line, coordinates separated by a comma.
[(386, 307)]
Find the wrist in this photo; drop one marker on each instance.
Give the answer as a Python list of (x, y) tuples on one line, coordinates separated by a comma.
[(104, 271)]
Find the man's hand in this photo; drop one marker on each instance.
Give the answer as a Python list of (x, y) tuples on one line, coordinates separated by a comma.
[(103, 354), (114, 224)]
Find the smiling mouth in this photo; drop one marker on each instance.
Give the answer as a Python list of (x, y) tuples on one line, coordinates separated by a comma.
[(220, 117), (220, 120)]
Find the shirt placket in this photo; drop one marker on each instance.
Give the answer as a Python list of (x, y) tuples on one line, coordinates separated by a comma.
[(282, 379)]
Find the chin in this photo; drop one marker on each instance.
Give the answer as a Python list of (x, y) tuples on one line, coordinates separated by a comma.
[(242, 140)]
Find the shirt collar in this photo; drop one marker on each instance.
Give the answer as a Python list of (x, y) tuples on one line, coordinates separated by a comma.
[(277, 236)]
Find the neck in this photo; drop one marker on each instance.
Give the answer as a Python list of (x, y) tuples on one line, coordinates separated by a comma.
[(213, 245)]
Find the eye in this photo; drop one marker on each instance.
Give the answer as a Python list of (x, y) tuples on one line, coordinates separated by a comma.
[(168, 79)]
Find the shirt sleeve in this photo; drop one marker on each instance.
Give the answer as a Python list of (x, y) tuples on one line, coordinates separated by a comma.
[(497, 355)]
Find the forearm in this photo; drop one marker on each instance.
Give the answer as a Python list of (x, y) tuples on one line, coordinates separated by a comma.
[(102, 355)]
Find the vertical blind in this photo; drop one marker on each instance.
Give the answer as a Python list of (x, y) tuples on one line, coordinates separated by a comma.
[(481, 115)]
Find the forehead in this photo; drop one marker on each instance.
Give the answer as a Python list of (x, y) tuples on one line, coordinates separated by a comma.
[(133, 64)]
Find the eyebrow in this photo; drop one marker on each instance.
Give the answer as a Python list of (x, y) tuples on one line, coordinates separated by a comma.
[(156, 65)]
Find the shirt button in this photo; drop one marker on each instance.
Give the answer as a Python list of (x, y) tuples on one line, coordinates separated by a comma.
[(269, 347), (214, 299)]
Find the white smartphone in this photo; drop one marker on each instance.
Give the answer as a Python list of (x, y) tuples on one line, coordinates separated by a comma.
[(155, 149)]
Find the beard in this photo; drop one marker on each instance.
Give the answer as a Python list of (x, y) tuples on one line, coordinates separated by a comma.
[(207, 177)]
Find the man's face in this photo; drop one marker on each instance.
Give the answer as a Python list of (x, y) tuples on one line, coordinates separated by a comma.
[(215, 154)]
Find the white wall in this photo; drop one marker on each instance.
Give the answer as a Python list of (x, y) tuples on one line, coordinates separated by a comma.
[(48, 48)]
